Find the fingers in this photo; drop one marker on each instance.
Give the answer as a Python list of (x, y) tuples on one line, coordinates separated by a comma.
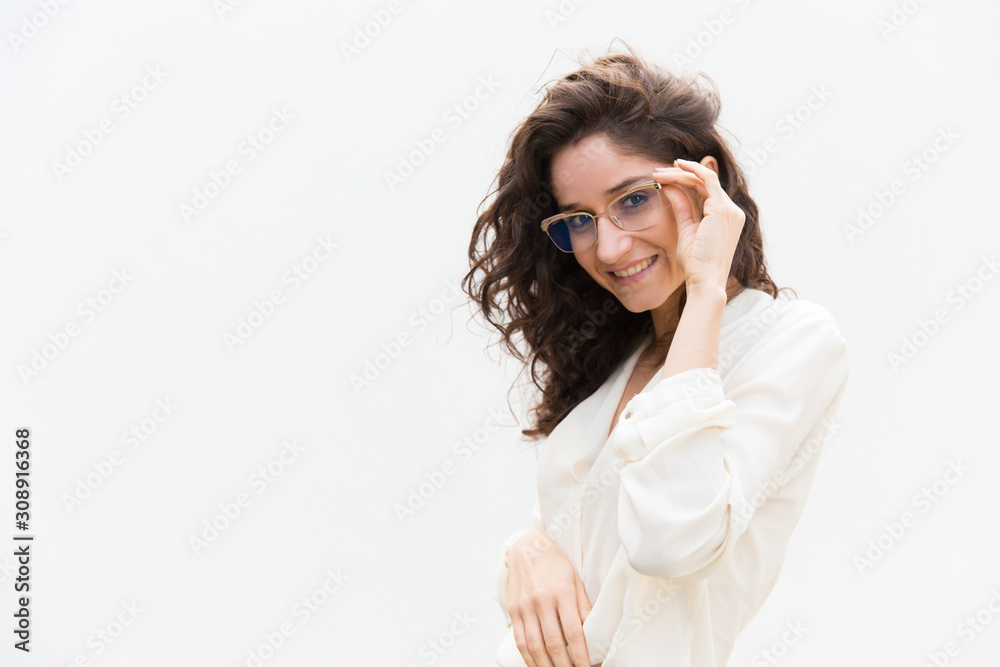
[(583, 603), (547, 604), (711, 179), (542, 638), (554, 641), (679, 177), (683, 203), (572, 621), (521, 641), (523, 622), (573, 632), (534, 637), (690, 184)]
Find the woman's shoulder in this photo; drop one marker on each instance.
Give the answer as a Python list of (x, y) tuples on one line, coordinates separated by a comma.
[(753, 312), (762, 331)]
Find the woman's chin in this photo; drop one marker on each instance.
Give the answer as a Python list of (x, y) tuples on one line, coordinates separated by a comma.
[(636, 303), (641, 301)]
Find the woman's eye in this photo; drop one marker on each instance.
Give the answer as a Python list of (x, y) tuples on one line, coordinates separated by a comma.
[(635, 200), (577, 222)]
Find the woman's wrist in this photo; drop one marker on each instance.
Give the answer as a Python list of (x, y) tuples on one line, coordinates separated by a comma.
[(709, 293), (695, 343)]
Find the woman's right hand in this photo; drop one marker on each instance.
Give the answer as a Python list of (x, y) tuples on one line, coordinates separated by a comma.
[(547, 603)]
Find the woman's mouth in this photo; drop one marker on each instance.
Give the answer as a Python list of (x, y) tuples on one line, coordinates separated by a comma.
[(634, 273)]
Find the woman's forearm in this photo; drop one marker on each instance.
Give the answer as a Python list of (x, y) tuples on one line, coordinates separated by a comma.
[(696, 341)]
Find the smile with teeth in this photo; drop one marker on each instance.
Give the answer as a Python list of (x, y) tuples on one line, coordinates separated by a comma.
[(632, 270)]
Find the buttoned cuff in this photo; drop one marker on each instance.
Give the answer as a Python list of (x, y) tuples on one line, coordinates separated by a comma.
[(676, 405)]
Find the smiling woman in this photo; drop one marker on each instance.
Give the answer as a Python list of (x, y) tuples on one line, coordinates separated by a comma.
[(649, 486)]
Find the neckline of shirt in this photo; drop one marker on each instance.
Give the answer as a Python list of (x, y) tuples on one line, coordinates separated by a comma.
[(732, 314)]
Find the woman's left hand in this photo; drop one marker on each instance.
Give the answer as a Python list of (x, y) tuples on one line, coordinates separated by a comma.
[(706, 239)]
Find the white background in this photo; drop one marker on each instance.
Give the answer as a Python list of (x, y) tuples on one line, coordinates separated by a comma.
[(162, 335)]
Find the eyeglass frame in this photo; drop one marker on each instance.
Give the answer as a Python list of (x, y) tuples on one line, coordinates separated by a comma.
[(549, 221)]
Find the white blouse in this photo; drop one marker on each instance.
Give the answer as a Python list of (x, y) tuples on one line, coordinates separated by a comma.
[(679, 521)]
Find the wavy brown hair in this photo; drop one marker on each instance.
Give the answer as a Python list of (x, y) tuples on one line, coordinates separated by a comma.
[(575, 332)]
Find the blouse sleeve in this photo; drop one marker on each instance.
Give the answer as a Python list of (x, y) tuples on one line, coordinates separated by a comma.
[(501, 595), (700, 459)]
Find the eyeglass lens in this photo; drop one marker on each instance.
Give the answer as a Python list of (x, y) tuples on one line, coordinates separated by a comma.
[(636, 210)]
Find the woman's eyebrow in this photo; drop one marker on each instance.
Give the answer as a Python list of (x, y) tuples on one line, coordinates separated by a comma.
[(610, 191)]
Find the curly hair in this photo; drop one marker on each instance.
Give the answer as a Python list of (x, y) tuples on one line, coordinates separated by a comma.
[(575, 332)]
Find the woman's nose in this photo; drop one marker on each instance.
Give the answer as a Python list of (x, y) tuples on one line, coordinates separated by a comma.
[(613, 242)]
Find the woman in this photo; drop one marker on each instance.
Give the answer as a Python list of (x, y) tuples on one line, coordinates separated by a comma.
[(682, 414)]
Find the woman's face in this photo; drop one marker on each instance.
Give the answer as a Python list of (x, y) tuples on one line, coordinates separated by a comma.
[(582, 177)]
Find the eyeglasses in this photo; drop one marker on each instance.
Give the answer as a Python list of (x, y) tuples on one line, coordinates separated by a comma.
[(635, 209)]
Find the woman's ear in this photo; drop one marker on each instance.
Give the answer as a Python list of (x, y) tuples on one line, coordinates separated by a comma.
[(711, 163)]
